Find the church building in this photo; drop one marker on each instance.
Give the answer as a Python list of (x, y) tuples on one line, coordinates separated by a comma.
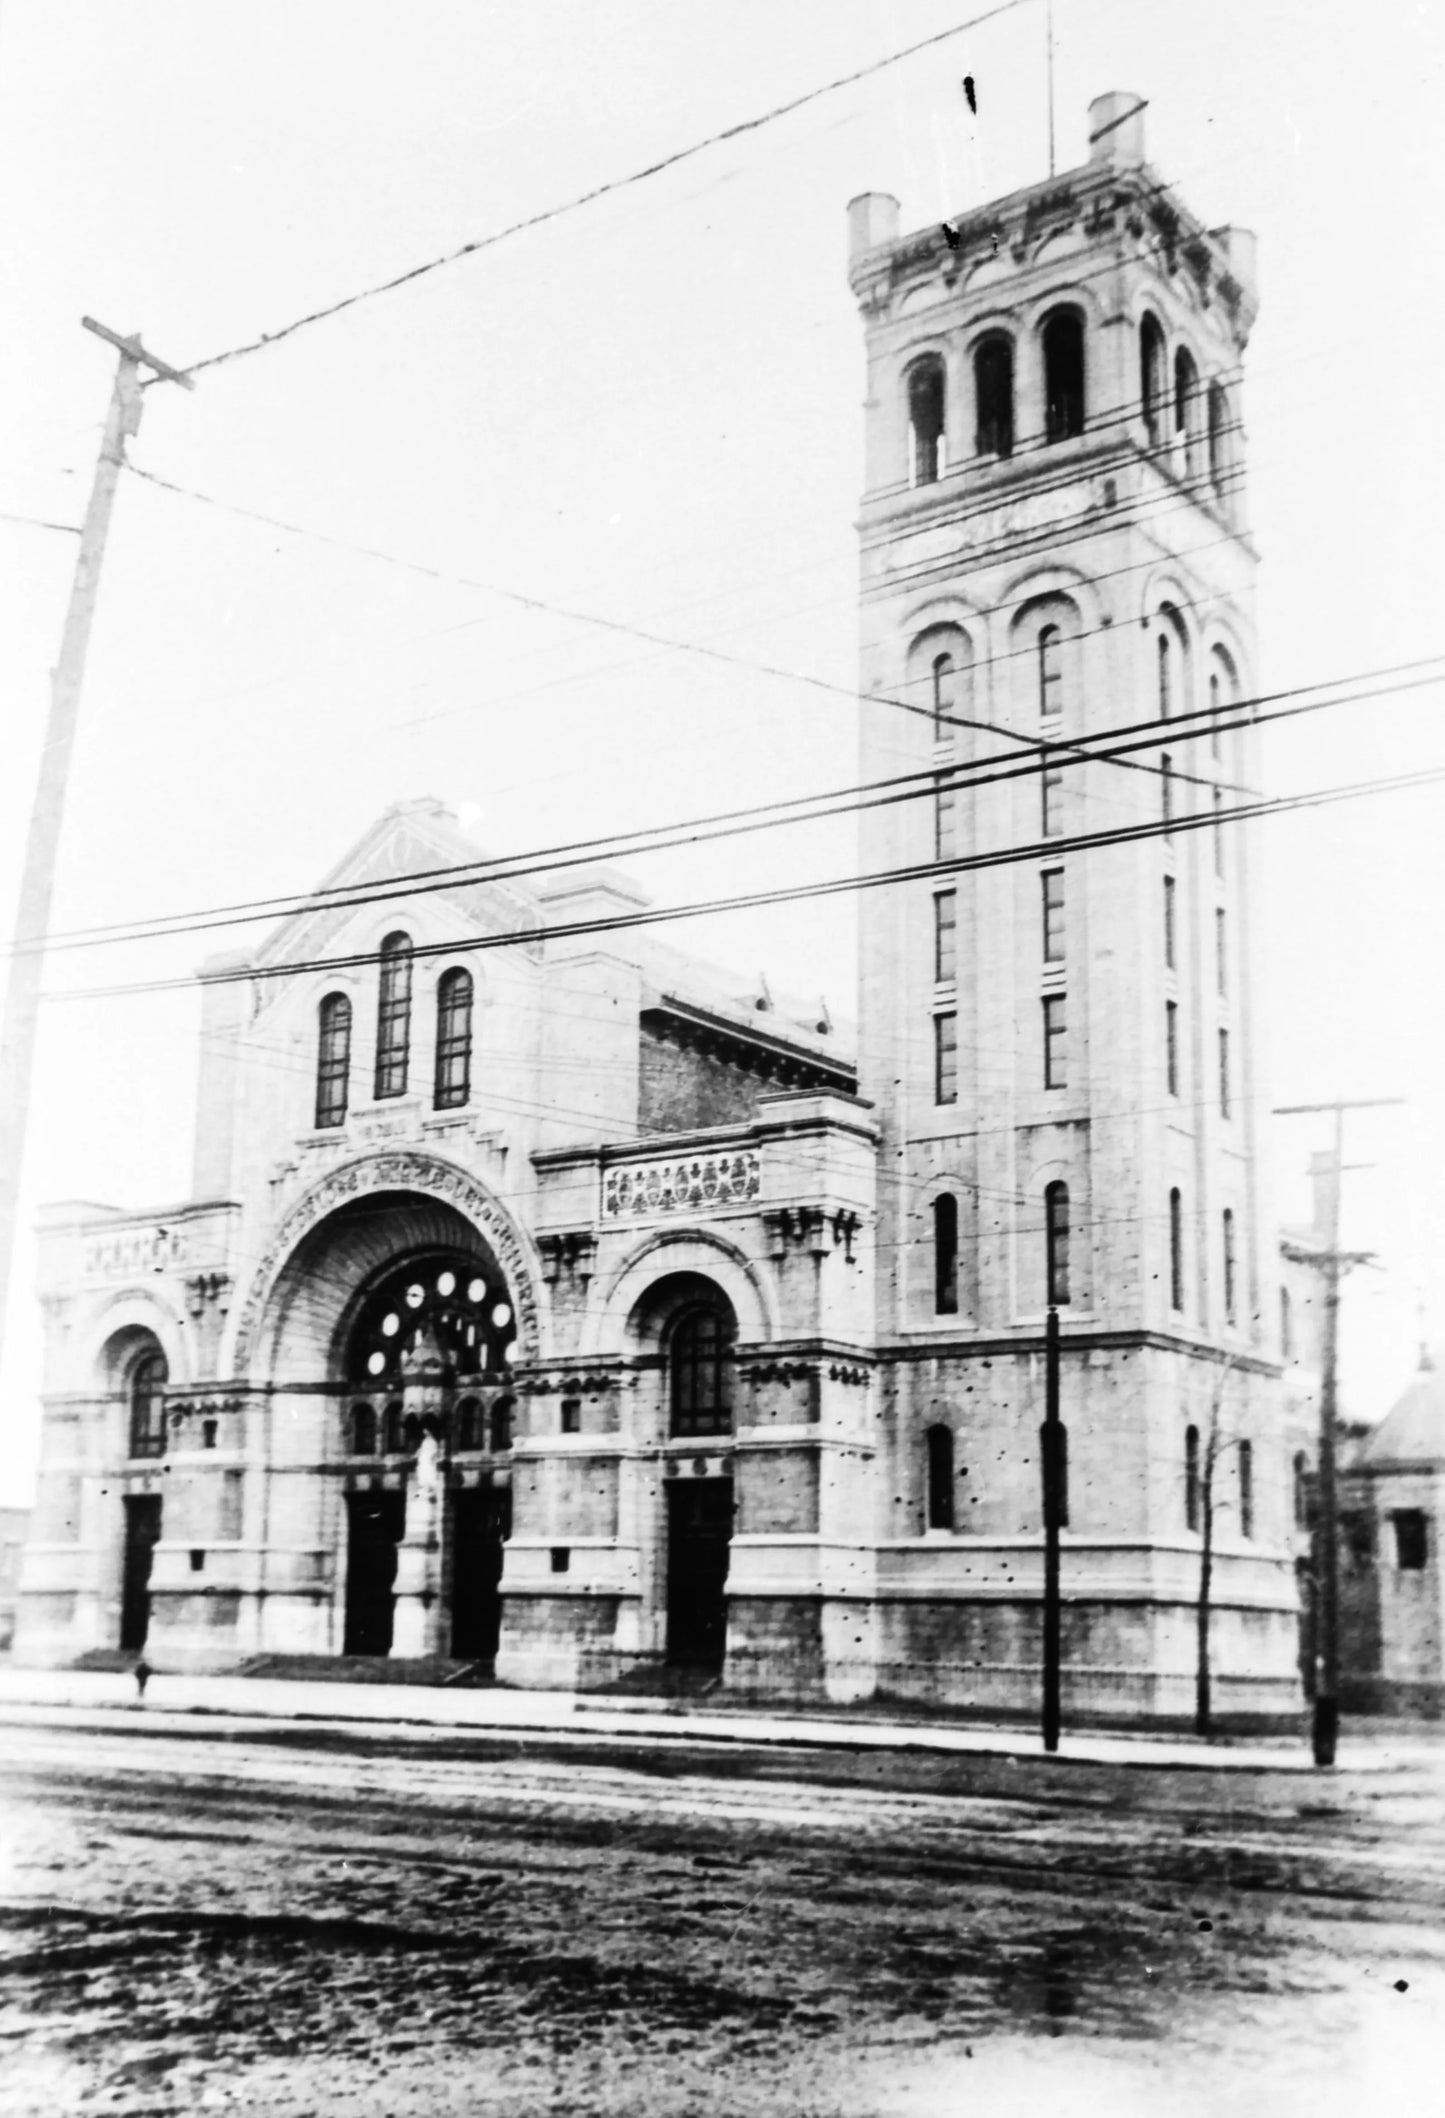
[(550, 1302)]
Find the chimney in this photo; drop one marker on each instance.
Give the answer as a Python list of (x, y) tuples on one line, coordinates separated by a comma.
[(873, 219), (1116, 129)]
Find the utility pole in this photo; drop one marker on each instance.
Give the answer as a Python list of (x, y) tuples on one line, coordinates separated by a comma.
[(1332, 1263), (1053, 1482), (37, 886)]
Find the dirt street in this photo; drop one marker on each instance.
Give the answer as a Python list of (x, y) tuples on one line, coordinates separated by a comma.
[(216, 1915)]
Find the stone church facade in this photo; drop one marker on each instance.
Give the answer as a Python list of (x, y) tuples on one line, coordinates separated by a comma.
[(551, 1302)]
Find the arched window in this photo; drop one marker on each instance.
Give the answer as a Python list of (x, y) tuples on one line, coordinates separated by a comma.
[(1151, 374), (1063, 374), (1056, 1243), (411, 1433), (1218, 431), (1051, 672), (926, 420), (1223, 692), (1246, 1488), (471, 1433), (148, 1380), (940, 1478), (333, 1059), (454, 1040), (1186, 411), (1301, 1469), (700, 1368), (502, 1424), (1164, 650), (993, 390), (362, 1438), (1230, 1270), (393, 1016), (943, 698), (945, 1254), (1286, 1325), (393, 1432), (1176, 1250), (1191, 1478)]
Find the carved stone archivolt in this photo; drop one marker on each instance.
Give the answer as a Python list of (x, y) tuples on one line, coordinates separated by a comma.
[(409, 1171)]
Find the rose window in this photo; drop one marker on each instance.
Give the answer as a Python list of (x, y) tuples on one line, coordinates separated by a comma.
[(448, 1303)]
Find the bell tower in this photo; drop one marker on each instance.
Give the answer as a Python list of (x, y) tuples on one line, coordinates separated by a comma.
[(1057, 1016)]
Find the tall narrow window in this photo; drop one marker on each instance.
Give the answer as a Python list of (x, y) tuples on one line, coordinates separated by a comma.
[(393, 1016), (1171, 1046), (1218, 433), (1054, 1470), (1164, 653), (1176, 1249), (1224, 1100), (1166, 793), (333, 1059), (148, 1380), (1151, 374), (1051, 674), (700, 1368), (1064, 374), (993, 389), (940, 1478), (1221, 958), (363, 1430), (1219, 832), (1191, 1478), (1051, 783), (945, 824), (943, 697), (1412, 1544), (1170, 925), (1056, 1243), (454, 1040), (1056, 1061), (1186, 421), (1053, 887), (1286, 1326), (1301, 1490), (1231, 1301), (945, 1058), (945, 937), (1246, 1489), (945, 1254), (926, 420)]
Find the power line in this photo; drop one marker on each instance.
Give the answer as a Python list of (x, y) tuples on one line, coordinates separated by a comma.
[(955, 777), (795, 893), (68, 529), (600, 191)]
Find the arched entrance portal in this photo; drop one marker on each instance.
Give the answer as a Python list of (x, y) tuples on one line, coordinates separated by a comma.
[(699, 1333), (426, 1357)]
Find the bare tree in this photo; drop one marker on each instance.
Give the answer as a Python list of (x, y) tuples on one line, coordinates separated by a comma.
[(1216, 1444)]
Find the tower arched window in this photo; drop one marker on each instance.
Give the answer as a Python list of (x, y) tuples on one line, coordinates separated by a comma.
[(1191, 1478), (1286, 1325), (333, 1059), (1223, 692), (926, 420), (1231, 1268), (945, 1254), (148, 1380), (1301, 1469), (1186, 408), (1151, 375), (1063, 338), (944, 701), (1056, 1243), (1218, 435), (1176, 1249), (939, 1442), (454, 1040), (1164, 655), (1051, 672), (993, 391), (700, 1371), (393, 1016)]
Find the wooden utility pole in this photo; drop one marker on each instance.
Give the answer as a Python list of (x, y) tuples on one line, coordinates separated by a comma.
[(1051, 1440), (1331, 1262), (37, 886)]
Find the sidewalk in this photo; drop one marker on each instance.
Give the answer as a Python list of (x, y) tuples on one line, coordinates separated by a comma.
[(101, 1697)]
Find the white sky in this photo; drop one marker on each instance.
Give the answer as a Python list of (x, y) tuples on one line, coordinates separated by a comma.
[(650, 410)]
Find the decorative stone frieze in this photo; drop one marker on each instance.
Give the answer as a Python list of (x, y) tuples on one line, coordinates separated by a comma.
[(696, 1181), (122, 1253)]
